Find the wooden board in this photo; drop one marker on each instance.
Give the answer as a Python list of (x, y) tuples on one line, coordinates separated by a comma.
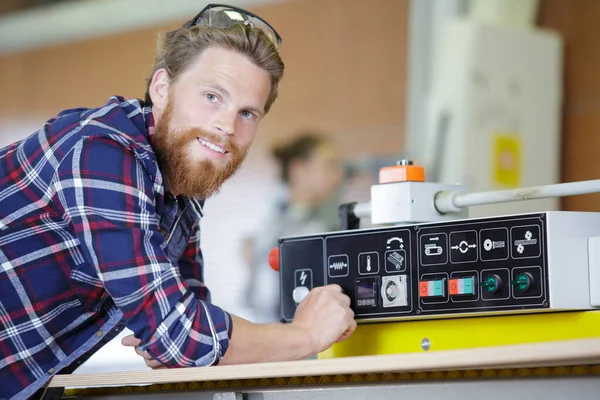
[(561, 353)]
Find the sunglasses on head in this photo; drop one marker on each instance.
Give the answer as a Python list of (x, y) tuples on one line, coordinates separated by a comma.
[(225, 16)]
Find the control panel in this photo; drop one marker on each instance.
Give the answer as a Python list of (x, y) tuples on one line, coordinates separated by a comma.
[(465, 267)]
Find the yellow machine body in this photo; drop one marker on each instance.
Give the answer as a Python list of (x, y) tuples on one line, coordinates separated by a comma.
[(465, 333)]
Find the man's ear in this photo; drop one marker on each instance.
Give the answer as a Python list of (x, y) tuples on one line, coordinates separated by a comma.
[(159, 89)]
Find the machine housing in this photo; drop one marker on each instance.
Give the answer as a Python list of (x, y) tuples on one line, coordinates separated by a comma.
[(526, 263)]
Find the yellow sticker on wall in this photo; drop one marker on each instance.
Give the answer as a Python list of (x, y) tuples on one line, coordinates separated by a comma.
[(507, 160)]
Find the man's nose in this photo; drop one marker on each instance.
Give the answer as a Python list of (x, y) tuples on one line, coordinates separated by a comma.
[(225, 122)]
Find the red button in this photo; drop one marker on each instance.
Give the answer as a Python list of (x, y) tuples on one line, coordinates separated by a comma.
[(424, 288), (274, 258)]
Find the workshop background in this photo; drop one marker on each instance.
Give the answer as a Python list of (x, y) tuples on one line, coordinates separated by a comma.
[(356, 69)]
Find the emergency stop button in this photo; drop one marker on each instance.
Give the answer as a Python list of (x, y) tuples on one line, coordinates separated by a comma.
[(274, 258)]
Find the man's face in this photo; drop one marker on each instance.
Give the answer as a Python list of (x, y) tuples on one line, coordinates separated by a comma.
[(208, 119)]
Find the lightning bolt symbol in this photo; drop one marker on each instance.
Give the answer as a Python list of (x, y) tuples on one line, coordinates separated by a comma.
[(303, 277)]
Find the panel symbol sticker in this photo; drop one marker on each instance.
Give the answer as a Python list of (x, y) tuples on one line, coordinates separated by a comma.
[(303, 277), (337, 266), (463, 246), (434, 249), (525, 241), (368, 263), (494, 244), (395, 260)]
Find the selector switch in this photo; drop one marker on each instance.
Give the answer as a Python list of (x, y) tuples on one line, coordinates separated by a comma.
[(492, 283), (523, 281)]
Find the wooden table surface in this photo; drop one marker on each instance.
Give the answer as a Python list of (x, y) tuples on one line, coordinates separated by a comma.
[(548, 354)]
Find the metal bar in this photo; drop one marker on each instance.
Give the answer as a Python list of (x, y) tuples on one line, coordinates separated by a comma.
[(451, 201)]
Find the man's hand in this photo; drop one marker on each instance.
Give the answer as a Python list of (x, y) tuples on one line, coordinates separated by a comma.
[(131, 341), (323, 318), (326, 317)]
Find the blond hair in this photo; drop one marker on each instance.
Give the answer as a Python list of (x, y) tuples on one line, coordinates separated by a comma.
[(178, 49)]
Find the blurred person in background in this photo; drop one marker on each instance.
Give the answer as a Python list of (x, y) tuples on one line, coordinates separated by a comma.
[(311, 174), (100, 218)]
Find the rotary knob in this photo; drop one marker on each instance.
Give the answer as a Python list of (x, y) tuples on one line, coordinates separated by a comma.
[(391, 291)]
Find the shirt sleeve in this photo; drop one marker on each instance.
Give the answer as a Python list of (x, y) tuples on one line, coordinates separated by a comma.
[(107, 197)]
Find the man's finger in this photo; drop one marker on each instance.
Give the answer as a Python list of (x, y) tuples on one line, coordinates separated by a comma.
[(334, 288), (130, 340), (154, 364), (144, 354)]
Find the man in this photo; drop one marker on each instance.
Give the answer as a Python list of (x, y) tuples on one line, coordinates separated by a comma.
[(100, 212)]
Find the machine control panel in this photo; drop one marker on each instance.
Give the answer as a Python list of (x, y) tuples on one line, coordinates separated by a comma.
[(462, 267)]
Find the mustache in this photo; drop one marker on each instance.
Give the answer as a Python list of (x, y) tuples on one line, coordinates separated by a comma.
[(198, 133)]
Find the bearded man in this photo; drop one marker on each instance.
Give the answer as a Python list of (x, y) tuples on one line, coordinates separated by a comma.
[(100, 218)]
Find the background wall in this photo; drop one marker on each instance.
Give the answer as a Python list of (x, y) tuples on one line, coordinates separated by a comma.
[(579, 24), (345, 73)]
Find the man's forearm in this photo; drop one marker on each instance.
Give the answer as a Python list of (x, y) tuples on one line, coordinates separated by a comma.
[(252, 343)]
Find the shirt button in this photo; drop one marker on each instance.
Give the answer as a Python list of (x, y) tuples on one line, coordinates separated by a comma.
[(99, 333), (51, 371)]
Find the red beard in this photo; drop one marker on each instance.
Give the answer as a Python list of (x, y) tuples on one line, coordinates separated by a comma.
[(200, 179)]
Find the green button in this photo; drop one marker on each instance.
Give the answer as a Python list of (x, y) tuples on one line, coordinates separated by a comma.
[(438, 288), (468, 286)]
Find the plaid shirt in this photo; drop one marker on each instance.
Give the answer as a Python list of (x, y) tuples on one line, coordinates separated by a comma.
[(90, 240)]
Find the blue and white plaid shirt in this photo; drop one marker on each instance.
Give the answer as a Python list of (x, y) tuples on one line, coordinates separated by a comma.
[(90, 239)]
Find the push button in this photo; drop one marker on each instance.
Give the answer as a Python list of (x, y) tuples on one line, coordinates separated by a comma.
[(461, 286), (431, 288)]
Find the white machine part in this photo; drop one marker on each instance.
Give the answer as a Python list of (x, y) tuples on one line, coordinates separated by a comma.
[(493, 119), (573, 276), (594, 260), (409, 202)]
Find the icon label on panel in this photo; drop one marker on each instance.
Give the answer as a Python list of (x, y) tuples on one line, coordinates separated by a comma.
[(395, 243), (463, 246), (303, 277), (337, 266), (434, 249), (368, 263), (525, 241), (494, 244), (395, 261)]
